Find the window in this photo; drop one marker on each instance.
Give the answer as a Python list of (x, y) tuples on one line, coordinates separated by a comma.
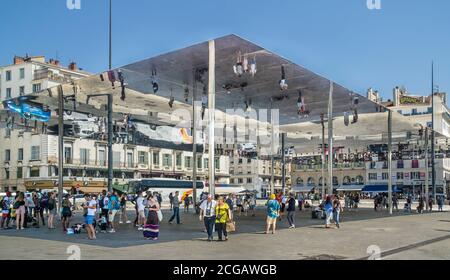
[(199, 162), (249, 180), (399, 175), (7, 155), (187, 162), (6, 173), (143, 157), (167, 160), (22, 73), (8, 132), (116, 159), (8, 75), (178, 160), (8, 93), (430, 110), (68, 155), (35, 153), (21, 90), (34, 172), (372, 176), (400, 164), (240, 181), (414, 112), (240, 160), (102, 157), (19, 172), (206, 163), (20, 154), (156, 158), (130, 160), (36, 88), (385, 176), (415, 163), (84, 156), (249, 160), (415, 175), (217, 163)]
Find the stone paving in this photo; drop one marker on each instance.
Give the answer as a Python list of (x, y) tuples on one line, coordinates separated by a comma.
[(401, 236)]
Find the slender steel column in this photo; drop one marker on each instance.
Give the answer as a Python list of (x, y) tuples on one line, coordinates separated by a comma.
[(427, 166), (390, 160), (110, 142), (324, 157), (110, 34), (330, 140), (272, 159), (60, 144), (433, 153), (194, 141), (211, 108), (283, 163)]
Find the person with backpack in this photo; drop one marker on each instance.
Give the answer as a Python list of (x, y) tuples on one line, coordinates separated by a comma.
[(171, 200), (50, 203), (103, 203), (38, 211), (6, 210), (66, 212)]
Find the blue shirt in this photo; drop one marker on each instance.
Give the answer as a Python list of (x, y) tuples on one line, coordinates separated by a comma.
[(328, 207), (272, 208), (114, 199)]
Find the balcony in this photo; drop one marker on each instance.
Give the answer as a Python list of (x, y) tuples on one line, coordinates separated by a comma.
[(46, 73)]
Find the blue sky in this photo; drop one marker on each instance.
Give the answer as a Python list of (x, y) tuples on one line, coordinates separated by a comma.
[(340, 39)]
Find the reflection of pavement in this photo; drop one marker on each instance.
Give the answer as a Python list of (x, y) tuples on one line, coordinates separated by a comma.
[(400, 235)]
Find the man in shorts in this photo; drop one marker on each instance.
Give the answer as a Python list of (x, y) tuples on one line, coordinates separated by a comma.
[(91, 206), (114, 207), (141, 210), (273, 212)]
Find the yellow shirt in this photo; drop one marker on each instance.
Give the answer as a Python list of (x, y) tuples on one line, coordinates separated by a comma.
[(222, 213)]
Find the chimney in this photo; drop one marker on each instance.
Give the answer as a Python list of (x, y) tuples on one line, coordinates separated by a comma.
[(73, 66), (18, 60), (56, 62)]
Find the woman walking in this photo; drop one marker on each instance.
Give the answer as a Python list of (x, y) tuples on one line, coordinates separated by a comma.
[(66, 212), (123, 210), (38, 211), (328, 211), (223, 215), (337, 209), (151, 227), (19, 206), (51, 206)]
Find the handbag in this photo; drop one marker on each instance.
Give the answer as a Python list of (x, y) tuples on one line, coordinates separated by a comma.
[(231, 226), (160, 215)]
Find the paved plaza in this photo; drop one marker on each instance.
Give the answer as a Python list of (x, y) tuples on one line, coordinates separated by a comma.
[(402, 236)]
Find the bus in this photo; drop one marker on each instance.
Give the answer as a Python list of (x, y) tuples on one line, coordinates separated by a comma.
[(163, 186)]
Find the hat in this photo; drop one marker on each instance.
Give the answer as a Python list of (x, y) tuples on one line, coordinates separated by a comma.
[(272, 196)]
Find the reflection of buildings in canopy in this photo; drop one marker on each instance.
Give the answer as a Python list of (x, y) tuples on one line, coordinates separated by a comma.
[(140, 153)]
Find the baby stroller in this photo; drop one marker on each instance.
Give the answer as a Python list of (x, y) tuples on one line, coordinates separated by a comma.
[(103, 224), (407, 208)]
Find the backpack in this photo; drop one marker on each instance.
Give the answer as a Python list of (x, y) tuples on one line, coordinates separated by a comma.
[(50, 204), (101, 204), (44, 203)]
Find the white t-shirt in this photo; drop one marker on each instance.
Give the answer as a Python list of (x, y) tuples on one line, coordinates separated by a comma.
[(91, 212), (209, 208), (140, 203)]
